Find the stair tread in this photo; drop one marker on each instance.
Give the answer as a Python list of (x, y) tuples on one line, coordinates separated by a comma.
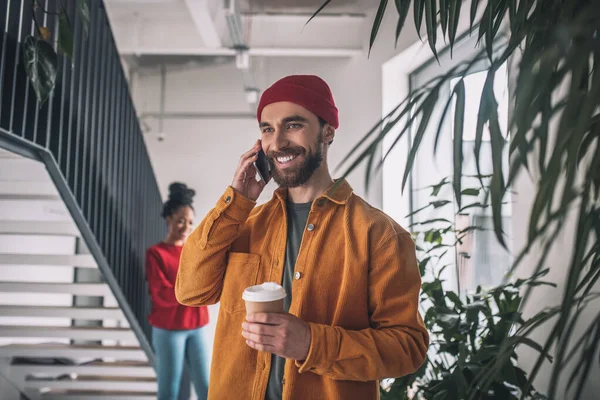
[(63, 328), (67, 346), (18, 332), (72, 312), (95, 364), (55, 284), (82, 289), (97, 378), (78, 260), (102, 392), (38, 228), (17, 307)]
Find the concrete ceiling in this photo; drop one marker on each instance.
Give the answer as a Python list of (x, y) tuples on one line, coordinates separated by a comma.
[(160, 35), (270, 28)]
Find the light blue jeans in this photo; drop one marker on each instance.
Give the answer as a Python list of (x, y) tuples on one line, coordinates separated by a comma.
[(172, 350)]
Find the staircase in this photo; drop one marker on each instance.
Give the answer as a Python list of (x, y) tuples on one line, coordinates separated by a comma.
[(79, 204), (62, 333)]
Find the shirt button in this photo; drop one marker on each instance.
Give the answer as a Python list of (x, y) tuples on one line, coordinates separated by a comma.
[(228, 199), (297, 275), (310, 227)]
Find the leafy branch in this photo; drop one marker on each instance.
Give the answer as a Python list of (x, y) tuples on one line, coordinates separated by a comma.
[(554, 138)]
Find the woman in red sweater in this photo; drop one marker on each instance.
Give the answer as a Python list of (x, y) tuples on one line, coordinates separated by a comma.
[(176, 329)]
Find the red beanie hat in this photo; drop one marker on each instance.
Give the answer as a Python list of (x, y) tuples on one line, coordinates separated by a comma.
[(308, 91)]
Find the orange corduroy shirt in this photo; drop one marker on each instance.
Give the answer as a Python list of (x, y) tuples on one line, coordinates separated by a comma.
[(356, 284)]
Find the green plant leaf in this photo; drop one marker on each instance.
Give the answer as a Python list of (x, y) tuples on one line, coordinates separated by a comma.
[(419, 10), (438, 186), (440, 203), (459, 117), (402, 6), (589, 280), (423, 265), (453, 20), (431, 221), (453, 297), (433, 236), (444, 16), (377, 23), (84, 13), (65, 35), (448, 320), (325, 4), (473, 205), (497, 188), (531, 343), (41, 64), (442, 124), (470, 192), (427, 110), (499, 13), (431, 25), (582, 369), (474, 5)]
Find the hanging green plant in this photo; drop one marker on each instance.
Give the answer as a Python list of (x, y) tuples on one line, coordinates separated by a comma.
[(40, 64), (41, 60)]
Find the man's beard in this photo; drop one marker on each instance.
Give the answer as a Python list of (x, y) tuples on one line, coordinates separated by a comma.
[(298, 175)]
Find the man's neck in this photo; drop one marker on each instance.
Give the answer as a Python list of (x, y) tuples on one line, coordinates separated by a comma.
[(318, 184)]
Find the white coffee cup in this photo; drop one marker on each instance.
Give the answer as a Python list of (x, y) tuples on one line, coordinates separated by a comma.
[(265, 298)]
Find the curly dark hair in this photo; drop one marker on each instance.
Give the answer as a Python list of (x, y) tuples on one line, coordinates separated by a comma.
[(179, 196)]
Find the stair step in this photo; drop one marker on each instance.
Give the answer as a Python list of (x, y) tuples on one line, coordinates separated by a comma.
[(81, 289), (69, 260), (89, 382), (22, 169), (70, 332), (28, 197), (38, 228), (91, 313), (44, 188), (97, 368), (97, 395), (54, 350)]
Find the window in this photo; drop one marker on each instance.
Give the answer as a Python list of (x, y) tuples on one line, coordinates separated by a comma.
[(479, 259)]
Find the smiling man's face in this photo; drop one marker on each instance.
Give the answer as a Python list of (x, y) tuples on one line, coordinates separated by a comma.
[(292, 139)]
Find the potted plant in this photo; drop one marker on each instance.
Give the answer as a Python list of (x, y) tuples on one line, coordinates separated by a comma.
[(474, 335)]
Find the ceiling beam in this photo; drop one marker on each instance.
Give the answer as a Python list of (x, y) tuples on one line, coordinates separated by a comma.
[(254, 51), (204, 23)]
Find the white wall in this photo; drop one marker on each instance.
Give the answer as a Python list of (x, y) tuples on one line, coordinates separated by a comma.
[(204, 152)]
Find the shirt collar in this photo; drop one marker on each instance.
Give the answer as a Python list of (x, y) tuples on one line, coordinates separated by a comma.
[(339, 192)]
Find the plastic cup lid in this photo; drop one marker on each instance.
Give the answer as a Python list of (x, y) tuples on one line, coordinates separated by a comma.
[(268, 291)]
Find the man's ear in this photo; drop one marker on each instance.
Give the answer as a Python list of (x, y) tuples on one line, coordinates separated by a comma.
[(328, 134)]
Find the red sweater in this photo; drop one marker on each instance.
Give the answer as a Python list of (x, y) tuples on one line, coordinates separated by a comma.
[(162, 263)]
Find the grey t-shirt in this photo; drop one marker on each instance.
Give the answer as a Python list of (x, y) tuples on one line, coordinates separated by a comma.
[(297, 215)]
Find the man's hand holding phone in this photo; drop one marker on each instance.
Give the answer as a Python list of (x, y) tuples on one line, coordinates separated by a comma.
[(244, 179)]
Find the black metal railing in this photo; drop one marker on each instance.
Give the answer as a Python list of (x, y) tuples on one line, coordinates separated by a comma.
[(88, 136)]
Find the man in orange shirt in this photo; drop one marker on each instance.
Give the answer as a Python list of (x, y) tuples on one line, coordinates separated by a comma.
[(349, 270)]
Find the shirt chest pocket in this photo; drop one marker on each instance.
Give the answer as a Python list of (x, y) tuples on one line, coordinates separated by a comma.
[(242, 271)]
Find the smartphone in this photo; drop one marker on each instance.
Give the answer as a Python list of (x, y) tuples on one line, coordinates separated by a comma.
[(263, 167)]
